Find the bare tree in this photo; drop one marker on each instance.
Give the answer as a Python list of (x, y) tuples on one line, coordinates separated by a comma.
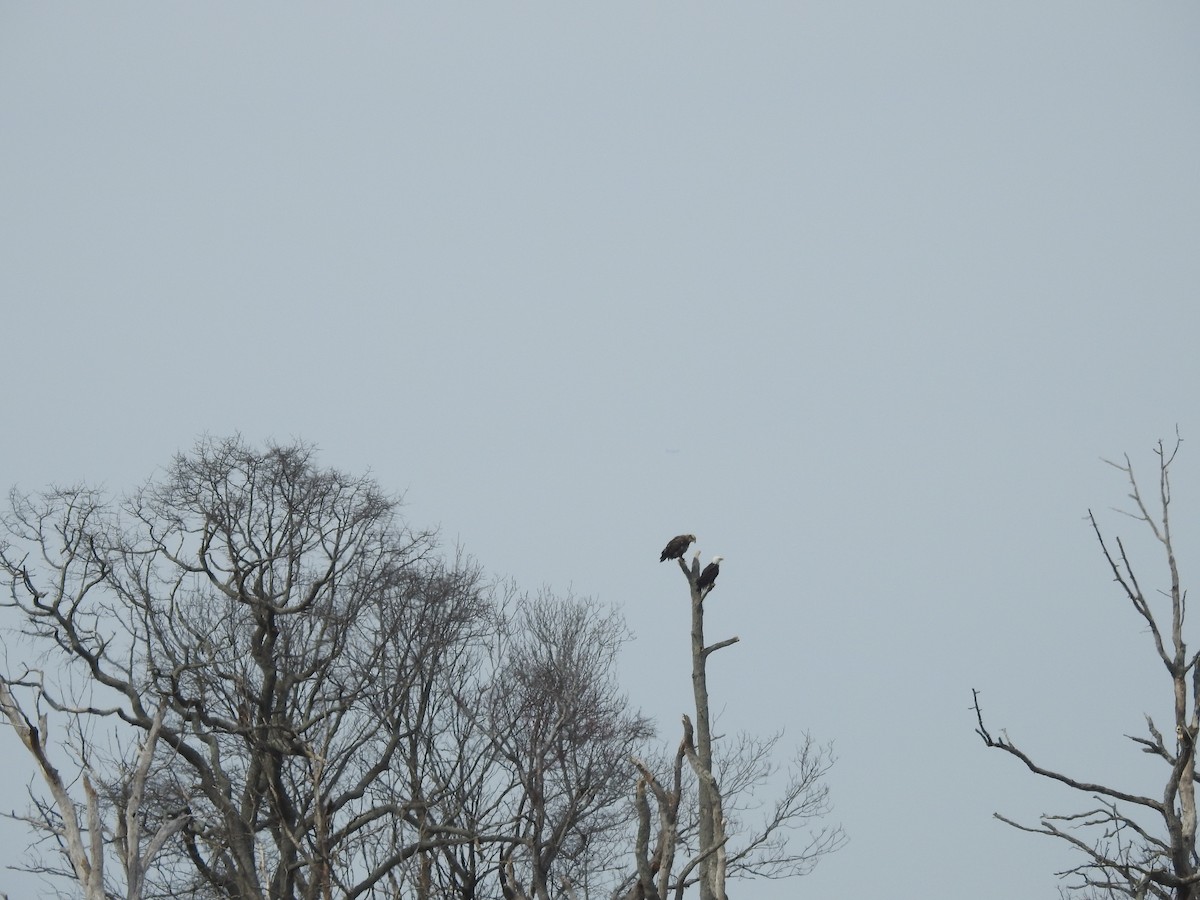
[(1130, 844), (110, 816), (291, 623), (538, 753), (718, 843), (564, 733)]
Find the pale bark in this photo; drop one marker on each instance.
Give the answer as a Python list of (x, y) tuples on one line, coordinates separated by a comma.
[(718, 851), (87, 857), (1132, 844), (711, 835)]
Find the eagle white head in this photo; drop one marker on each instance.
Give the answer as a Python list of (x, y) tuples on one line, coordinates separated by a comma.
[(717, 560)]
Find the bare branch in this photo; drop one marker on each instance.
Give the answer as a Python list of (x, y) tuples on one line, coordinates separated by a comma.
[(1009, 747)]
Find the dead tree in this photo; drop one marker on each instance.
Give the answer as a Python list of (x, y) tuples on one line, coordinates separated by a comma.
[(719, 845), (712, 857), (1132, 845), (91, 829)]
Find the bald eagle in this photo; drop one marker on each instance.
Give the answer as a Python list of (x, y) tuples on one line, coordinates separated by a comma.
[(708, 578), (676, 547)]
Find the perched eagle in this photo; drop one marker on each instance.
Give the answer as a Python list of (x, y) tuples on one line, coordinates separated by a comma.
[(708, 578), (676, 547)]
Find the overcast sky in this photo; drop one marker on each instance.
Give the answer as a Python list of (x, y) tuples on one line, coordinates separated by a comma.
[(859, 293)]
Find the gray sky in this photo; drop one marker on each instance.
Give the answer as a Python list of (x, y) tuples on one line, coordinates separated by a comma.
[(859, 293)]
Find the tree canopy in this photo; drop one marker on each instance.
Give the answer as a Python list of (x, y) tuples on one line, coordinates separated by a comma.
[(274, 687)]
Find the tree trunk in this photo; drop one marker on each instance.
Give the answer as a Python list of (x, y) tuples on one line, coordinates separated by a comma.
[(703, 737)]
